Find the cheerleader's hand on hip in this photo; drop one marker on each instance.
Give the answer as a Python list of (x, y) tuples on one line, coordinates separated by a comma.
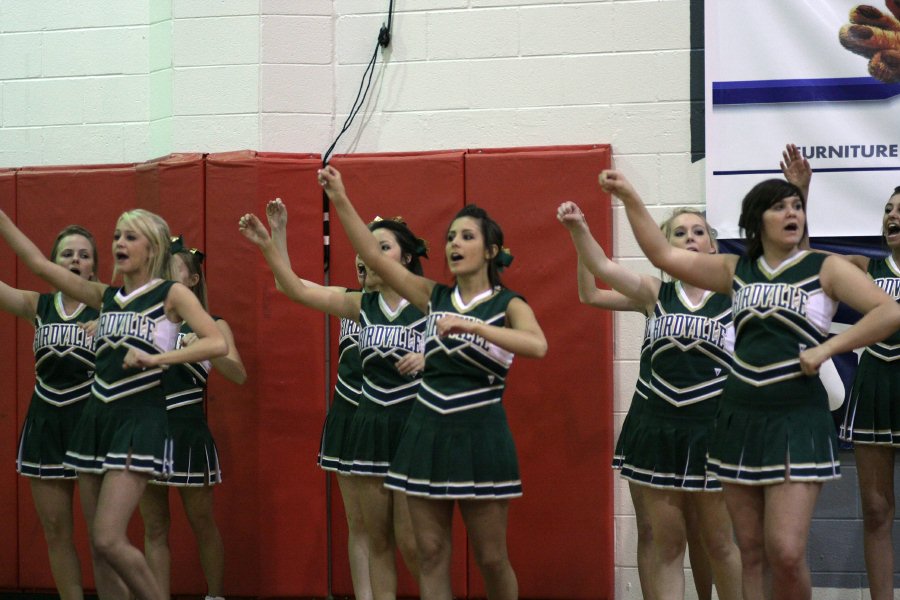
[(136, 359), (812, 358)]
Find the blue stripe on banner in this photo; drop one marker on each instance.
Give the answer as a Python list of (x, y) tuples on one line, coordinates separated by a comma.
[(833, 170), (776, 91)]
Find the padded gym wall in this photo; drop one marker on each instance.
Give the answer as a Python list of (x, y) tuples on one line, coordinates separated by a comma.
[(272, 506), (559, 407), (9, 418), (272, 509)]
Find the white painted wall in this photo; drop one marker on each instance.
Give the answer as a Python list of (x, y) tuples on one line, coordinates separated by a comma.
[(105, 81)]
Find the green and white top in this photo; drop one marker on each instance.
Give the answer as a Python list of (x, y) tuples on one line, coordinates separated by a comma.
[(385, 337), (464, 371), (886, 275), (63, 351), (136, 320), (778, 312), (690, 345)]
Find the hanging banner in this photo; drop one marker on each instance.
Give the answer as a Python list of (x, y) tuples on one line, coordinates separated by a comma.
[(821, 74)]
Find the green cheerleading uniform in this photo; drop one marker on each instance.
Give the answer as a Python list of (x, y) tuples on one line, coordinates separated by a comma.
[(335, 450), (872, 414), (690, 358), (124, 424), (385, 337), (457, 442), (64, 371), (195, 461), (774, 421), (625, 441)]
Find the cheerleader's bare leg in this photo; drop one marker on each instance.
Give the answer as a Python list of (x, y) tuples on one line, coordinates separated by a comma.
[(53, 502)]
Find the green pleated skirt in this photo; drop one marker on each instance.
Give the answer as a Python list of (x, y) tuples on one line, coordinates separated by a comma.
[(669, 445), (45, 437), (375, 434), (872, 413), (336, 446), (130, 433), (195, 460), (468, 454), (771, 434)]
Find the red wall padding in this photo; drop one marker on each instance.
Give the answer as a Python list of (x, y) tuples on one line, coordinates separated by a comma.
[(272, 504), (560, 533), (272, 509), (426, 189), (9, 417)]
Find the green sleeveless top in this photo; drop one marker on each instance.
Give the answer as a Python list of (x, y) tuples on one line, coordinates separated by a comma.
[(778, 312), (690, 345), (136, 320), (385, 337), (349, 370), (185, 383), (464, 371), (886, 274), (63, 352)]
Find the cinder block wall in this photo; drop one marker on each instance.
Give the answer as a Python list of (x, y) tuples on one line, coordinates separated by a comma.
[(102, 81)]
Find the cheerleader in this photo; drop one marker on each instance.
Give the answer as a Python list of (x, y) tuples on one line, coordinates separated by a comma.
[(456, 446), (872, 417), (64, 366), (121, 439), (390, 346), (335, 451), (662, 448), (195, 468), (774, 441)]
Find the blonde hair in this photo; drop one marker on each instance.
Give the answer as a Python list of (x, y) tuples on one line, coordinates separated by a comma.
[(156, 230), (668, 229)]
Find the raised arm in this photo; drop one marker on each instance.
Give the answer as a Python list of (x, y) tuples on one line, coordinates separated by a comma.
[(415, 288), (277, 216), (332, 301), (590, 294), (523, 336), (88, 292), (708, 271), (21, 303), (796, 169), (642, 289), (881, 314)]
